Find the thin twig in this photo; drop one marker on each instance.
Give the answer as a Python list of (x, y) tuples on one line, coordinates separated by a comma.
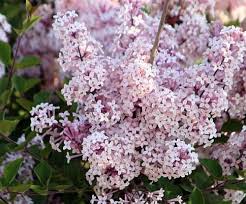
[(157, 38), (222, 185), (5, 201), (9, 140), (53, 192), (80, 56), (11, 70)]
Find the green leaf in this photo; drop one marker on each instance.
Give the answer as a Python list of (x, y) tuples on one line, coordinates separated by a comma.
[(31, 6), (4, 98), (58, 187), (196, 197), (10, 10), (43, 172), (213, 167), (3, 84), (28, 6), (146, 9), (20, 188), (24, 103), (29, 23), (236, 185), (11, 170), (201, 179), (59, 94), (171, 190), (72, 170), (23, 85), (46, 152), (7, 126), (186, 185), (232, 125), (3, 149), (42, 96), (233, 22), (30, 137), (28, 62), (242, 173), (39, 190), (5, 53), (35, 150), (221, 140)]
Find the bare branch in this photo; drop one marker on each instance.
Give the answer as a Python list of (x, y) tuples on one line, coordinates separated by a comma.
[(157, 38)]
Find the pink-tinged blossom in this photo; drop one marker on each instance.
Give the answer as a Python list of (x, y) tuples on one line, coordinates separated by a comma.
[(134, 197), (2, 70), (40, 41), (235, 196), (169, 159), (78, 45), (231, 155), (5, 29), (237, 95), (136, 118), (43, 116), (19, 198), (113, 162), (137, 197)]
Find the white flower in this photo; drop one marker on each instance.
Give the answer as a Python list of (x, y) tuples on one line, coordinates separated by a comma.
[(67, 145)]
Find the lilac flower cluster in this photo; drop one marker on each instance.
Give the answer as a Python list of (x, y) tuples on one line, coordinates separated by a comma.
[(134, 117), (5, 29), (231, 155), (41, 42), (135, 197)]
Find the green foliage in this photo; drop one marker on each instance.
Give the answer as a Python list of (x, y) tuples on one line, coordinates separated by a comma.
[(196, 197), (4, 98), (20, 188), (232, 125), (186, 185), (201, 179), (172, 190), (233, 23), (10, 171), (29, 23), (5, 54), (41, 190), (42, 96), (4, 148), (7, 127), (10, 10), (13, 10), (43, 171), (213, 167), (25, 103), (27, 62), (23, 85), (3, 84), (236, 185)]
